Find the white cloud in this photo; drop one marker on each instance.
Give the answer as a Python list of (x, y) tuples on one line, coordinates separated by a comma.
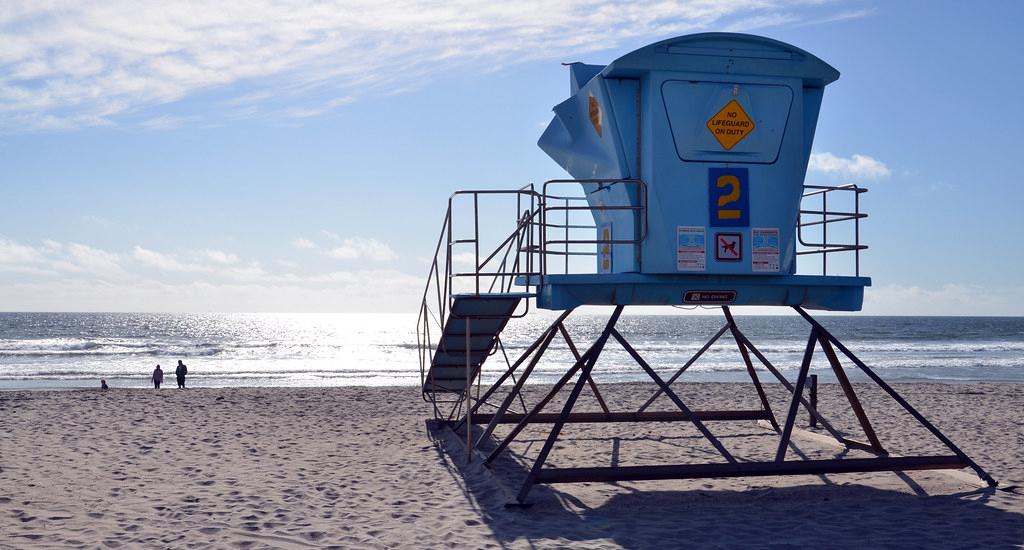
[(79, 277), (948, 299), (350, 248), (857, 166), (219, 256), (52, 246), (157, 260), (253, 272), (15, 253), (53, 257), (356, 248), (355, 291), (93, 260), (316, 110), (464, 259), (68, 65), (218, 264), (330, 235), (166, 122)]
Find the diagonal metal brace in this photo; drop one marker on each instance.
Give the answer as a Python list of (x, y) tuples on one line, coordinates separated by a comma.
[(672, 395)]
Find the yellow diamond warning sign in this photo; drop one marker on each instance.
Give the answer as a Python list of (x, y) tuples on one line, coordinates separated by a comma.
[(730, 125)]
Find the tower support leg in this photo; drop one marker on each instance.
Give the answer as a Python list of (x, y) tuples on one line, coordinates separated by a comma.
[(851, 395), (682, 369), (899, 399), (528, 417), (675, 398), (503, 408), (591, 359), (581, 374), (511, 370), (798, 393), (839, 437), (750, 367), (590, 379)]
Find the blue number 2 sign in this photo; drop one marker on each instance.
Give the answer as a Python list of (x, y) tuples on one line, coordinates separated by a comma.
[(729, 205)]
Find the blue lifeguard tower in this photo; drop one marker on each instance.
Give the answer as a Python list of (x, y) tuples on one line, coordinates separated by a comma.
[(687, 160)]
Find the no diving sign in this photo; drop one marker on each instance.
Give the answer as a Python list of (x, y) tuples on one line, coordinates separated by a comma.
[(728, 247)]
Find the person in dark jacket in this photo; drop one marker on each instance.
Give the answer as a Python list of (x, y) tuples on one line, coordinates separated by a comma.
[(180, 372), (158, 377)]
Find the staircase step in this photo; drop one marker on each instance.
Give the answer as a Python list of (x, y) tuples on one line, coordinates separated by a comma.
[(455, 359), (457, 326), (486, 315), (444, 386), (480, 307), (454, 372), (477, 342)]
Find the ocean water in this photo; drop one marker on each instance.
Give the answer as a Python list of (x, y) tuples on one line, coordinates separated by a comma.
[(68, 350)]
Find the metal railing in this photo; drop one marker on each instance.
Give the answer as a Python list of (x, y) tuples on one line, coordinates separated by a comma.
[(822, 218), (553, 204), (494, 273), (520, 255)]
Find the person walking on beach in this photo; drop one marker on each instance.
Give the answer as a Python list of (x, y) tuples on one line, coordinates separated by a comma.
[(180, 372), (158, 377)]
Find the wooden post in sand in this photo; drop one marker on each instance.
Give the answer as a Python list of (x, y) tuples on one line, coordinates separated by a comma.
[(814, 399), (469, 409)]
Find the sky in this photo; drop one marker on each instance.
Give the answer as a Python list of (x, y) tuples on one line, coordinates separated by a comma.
[(298, 156)]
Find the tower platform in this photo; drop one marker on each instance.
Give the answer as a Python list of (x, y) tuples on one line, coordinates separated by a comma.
[(831, 293)]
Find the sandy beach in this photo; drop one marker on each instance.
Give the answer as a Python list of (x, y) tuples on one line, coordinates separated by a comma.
[(360, 468)]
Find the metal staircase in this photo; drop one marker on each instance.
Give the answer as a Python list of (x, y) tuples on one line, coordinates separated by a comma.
[(470, 307), (470, 335)]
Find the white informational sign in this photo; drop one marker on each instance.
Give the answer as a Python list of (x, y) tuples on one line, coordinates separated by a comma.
[(764, 249), (604, 248), (691, 248)]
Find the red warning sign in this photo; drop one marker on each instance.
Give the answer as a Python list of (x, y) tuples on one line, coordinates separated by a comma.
[(728, 247)]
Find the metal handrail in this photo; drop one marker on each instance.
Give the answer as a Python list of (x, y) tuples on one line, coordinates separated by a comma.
[(828, 217), (522, 253), (640, 228), (503, 272), (440, 286)]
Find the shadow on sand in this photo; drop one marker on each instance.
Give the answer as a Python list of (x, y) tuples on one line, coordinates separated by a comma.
[(815, 515)]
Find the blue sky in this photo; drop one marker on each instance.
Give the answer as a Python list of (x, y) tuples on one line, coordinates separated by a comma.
[(294, 156)]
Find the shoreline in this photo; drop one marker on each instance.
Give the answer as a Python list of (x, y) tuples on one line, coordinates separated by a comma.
[(71, 385)]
